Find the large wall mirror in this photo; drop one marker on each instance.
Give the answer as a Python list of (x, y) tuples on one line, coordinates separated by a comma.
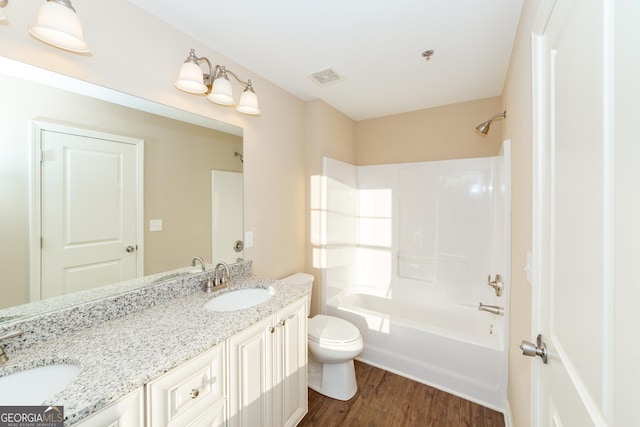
[(187, 159)]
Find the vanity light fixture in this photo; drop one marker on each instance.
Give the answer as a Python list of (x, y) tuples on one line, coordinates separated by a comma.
[(216, 84), (59, 25), (3, 14)]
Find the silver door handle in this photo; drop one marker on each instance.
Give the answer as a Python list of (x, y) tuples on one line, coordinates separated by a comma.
[(538, 349), (131, 249)]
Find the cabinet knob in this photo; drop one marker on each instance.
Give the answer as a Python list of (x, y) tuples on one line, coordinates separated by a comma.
[(194, 393), (271, 329)]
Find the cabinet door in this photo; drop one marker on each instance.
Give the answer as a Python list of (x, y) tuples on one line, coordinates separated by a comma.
[(126, 412), (251, 376), (185, 393), (290, 391)]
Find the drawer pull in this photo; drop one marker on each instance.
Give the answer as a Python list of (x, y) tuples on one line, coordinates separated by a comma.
[(194, 393)]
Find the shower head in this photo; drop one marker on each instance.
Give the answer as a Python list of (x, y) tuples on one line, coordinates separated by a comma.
[(239, 155), (483, 128)]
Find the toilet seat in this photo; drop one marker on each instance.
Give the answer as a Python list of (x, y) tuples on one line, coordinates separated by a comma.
[(329, 330)]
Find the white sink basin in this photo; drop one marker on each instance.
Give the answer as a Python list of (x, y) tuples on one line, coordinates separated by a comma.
[(34, 386), (238, 300)]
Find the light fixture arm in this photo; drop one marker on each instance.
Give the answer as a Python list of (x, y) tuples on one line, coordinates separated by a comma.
[(222, 71), (214, 71)]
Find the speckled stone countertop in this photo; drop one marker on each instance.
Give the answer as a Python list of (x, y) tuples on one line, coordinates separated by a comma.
[(125, 353)]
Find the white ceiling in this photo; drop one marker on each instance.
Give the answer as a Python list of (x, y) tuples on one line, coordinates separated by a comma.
[(376, 46)]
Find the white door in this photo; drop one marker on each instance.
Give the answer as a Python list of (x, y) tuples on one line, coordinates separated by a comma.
[(226, 216), (572, 239), (90, 213)]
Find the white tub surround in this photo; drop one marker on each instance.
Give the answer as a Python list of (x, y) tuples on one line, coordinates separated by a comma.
[(405, 250), (120, 354)]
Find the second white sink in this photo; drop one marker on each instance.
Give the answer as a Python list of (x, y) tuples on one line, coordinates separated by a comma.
[(34, 386), (238, 300)]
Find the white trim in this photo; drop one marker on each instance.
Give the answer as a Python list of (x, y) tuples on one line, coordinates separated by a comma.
[(35, 208), (538, 182)]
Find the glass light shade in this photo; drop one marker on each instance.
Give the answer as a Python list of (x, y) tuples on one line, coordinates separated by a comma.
[(59, 26), (248, 103), (3, 15), (221, 93), (190, 78)]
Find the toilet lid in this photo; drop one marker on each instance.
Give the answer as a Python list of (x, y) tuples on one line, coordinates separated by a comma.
[(328, 329)]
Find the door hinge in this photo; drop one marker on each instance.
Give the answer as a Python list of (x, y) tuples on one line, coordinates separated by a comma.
[(40, 242), (40, 156)]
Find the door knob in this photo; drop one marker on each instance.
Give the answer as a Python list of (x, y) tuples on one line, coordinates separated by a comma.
[(532, 350), (131, 249)]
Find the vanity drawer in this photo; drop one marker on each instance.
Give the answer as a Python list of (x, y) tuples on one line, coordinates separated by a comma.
[(184, 394)]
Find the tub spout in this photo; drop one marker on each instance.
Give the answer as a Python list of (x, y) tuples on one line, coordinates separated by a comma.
[(491, 309)]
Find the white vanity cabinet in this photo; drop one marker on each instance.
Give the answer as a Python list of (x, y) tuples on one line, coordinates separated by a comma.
[(126, 412), (257, 378), (191, 395), (268, 370)]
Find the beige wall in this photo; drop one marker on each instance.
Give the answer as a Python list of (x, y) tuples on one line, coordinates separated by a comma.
[(179, 158), (518, 128), (142, 58), (328, 133), (440, 133)]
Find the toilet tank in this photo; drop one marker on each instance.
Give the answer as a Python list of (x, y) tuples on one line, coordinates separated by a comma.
[(302, 279)]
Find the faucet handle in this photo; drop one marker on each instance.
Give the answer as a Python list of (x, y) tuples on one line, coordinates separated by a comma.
[(496, 284)]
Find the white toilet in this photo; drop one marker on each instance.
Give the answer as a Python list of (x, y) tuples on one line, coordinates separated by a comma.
[(333, 344)]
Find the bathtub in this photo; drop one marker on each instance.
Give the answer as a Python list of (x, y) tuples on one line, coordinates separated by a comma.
[(456, 349)]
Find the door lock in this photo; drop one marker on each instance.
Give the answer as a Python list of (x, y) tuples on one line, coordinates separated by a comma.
[(539, 349)]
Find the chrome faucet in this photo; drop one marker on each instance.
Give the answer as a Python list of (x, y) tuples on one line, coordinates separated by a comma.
[(224, 278), (3, 355), (491, 309)]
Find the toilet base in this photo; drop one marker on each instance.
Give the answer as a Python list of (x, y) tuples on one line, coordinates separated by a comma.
[(334, 380)]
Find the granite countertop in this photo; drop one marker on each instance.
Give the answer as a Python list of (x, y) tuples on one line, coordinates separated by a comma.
[(123, 354)]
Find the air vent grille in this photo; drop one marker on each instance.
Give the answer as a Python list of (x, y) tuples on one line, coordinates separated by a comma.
[(326, 77)]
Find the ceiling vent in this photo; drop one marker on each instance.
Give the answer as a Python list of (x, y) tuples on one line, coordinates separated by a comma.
[(326, 77)]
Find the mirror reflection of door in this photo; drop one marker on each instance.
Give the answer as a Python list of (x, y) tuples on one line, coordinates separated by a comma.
[(89, 215), (226, 224)]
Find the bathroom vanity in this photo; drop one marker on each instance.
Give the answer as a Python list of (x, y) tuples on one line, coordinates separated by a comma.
[(175, 363)]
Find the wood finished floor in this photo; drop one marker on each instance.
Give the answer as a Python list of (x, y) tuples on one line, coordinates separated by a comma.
[(388, 400)]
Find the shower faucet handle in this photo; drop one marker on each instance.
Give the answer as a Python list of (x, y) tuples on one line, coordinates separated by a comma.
[(496, 284)]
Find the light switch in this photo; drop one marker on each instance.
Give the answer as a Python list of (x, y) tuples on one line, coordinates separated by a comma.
[(248, 239), (155, 225)]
